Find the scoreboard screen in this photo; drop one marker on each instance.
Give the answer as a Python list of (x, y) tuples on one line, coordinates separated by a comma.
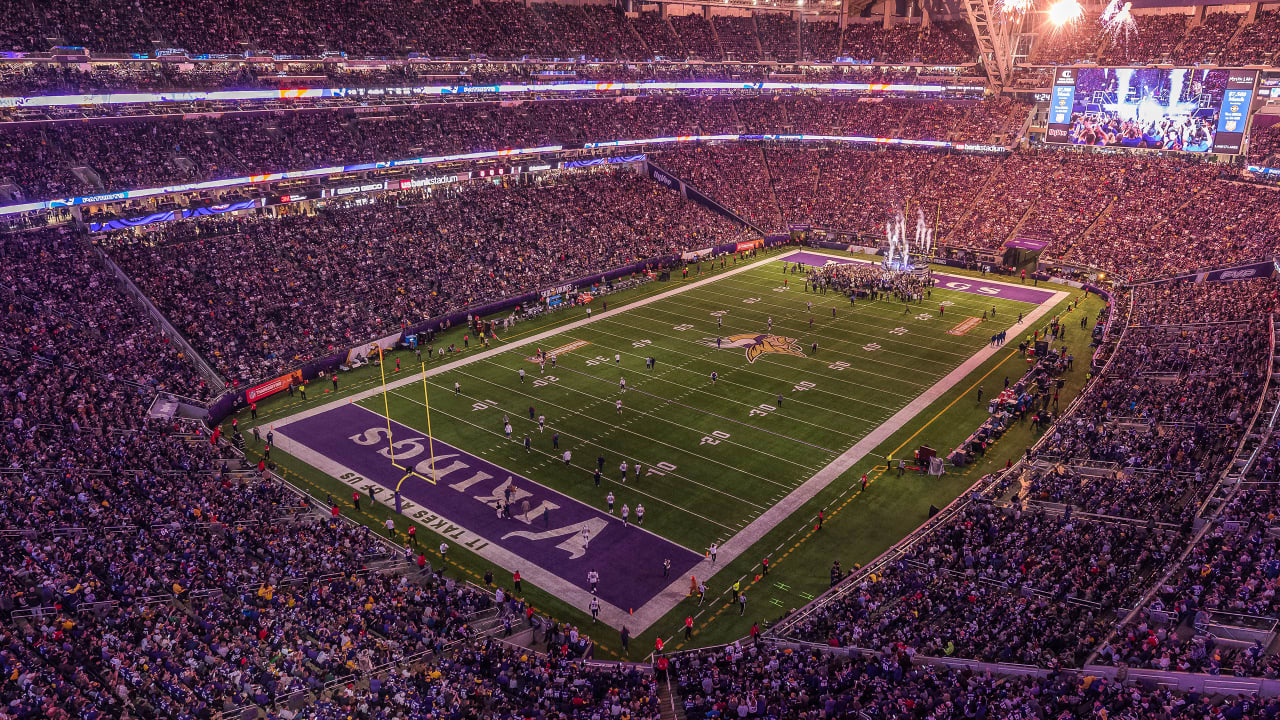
[(1183, 109)]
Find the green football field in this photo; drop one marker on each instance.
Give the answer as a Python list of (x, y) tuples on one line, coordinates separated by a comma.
[(716, 458), (714, 455)]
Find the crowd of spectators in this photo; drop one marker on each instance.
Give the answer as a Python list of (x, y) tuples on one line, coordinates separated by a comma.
[(259, 296), (1257, 42), (1152, 39), (59, 160), (1209, 39), (1072, 43), (737, 36), (32, 78), (501, 30), (1264, 145), (779, 36), (145, 573), (807, 683), (1101, 511), (65, 308), (1184, 303), (999, 584), (488, 680), (940, 42), (42, 161), (498, 29)]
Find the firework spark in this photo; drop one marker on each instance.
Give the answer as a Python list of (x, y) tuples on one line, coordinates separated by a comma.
[(1013, 7), (1118, 22), (1065, 12)]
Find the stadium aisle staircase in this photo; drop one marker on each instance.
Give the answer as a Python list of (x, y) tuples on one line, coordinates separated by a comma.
[(669, 704)]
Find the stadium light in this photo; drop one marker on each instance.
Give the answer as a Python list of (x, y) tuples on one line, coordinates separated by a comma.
[(1065, 12)]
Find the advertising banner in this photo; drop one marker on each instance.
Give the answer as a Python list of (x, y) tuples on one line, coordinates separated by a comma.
[(749, 245), (271, 387), (1061, 100), (362, 352), (1263, 269), (124, 223), (1026, 244), (1233, 114), (695, 254)]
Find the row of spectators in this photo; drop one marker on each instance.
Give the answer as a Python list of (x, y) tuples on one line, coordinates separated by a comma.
[(257, 296), (497, 29)]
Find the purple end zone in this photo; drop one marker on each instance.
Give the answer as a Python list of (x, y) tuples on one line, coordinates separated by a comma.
[(629, 560), (975, 286)]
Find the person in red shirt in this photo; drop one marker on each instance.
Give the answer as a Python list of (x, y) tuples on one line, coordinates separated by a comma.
[(688, 627), (253, 410), (516, 580), (355, 498), (335, 511), (335, 382), (413, 535)]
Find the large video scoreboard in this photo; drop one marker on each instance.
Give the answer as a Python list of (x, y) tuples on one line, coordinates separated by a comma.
[(1180, 109)]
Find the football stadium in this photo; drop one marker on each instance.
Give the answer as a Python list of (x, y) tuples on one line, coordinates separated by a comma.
[(585, 359)]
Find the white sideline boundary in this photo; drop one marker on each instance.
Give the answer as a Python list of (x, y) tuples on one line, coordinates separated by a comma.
[(646, 616)]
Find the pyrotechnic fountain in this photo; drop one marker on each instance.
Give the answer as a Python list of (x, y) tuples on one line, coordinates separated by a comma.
[(901, 248)]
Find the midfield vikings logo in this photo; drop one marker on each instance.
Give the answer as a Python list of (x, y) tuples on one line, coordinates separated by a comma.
[(757, 345)]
